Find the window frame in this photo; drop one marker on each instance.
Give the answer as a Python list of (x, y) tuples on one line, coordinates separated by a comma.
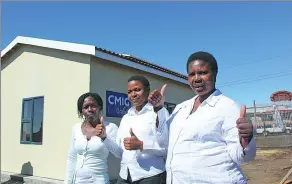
[(22, 121)]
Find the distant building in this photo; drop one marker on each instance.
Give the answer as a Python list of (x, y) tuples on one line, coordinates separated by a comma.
[(280, 96), (266, 113)]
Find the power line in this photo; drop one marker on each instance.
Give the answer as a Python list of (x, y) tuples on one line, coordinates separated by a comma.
[(253, 78), (249, 62), (243, 82), (263, 77)]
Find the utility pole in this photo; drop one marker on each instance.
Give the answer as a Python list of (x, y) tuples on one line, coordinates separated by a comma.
[(254, 114)]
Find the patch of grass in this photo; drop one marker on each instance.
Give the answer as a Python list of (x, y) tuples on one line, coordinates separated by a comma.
[(271, 153)]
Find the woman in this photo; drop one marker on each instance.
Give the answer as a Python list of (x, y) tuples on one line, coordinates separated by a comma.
[(87, 157), (208, 135), (142, 160)]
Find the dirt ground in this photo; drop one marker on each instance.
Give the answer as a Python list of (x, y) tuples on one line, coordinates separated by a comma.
[(269, 166)]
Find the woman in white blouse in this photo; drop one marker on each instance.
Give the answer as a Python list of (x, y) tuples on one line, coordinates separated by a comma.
[(142, 159), (209, 136), (87, 157)]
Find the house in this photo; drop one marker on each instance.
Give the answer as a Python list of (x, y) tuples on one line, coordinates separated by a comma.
[(41, 82)]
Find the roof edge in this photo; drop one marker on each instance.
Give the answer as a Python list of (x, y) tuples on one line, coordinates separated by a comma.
[(143, 62), (59, 45), (92, 50)]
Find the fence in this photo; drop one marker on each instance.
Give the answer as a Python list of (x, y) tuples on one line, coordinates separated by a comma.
[(271, 119)]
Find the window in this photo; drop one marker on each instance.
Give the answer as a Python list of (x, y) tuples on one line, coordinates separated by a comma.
[(169, 106), (32, 120)]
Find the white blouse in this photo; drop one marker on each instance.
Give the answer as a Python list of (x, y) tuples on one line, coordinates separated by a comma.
[(87, 159), (204, 147), (141, 164)]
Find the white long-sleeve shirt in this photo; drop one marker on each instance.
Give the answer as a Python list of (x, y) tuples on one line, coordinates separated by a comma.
[(204, 147), (87, 160), (141, 164)]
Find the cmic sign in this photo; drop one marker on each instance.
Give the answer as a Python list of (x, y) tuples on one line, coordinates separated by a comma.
[(117, 104)]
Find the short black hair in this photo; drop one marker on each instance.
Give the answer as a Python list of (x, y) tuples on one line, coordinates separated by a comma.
[(142, 79), (81, 99), (207, 58)]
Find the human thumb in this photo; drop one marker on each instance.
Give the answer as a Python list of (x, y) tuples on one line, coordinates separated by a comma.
[(131, 132)]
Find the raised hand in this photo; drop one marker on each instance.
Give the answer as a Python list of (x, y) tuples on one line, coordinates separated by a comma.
[(245, 128), (156, 98), (100, 130), (132, 143)]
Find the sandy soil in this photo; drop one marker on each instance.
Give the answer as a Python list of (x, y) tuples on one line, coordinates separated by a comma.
[(269, 166)]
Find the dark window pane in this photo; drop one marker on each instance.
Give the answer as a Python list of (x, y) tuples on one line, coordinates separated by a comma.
[(169, 106), (37, 130), (27, 109), (26, 130)]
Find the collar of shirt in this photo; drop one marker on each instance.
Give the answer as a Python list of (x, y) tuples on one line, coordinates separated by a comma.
[(146, 108), (211, 100)]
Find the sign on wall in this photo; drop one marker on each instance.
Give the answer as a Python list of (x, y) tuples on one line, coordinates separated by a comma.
[(117, 104)]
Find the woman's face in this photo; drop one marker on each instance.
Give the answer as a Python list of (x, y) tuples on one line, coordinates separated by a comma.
[(201, 78), (137, 94), (90, 110)]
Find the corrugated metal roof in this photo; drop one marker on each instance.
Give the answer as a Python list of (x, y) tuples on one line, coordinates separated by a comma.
[(142, 62)]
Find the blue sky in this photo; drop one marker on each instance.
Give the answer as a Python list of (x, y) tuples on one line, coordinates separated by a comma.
[(248, 39)]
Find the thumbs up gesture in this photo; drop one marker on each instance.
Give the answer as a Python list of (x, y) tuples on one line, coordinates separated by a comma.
[(100, 129), (132, 143), (156, 98), (245, 128)]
